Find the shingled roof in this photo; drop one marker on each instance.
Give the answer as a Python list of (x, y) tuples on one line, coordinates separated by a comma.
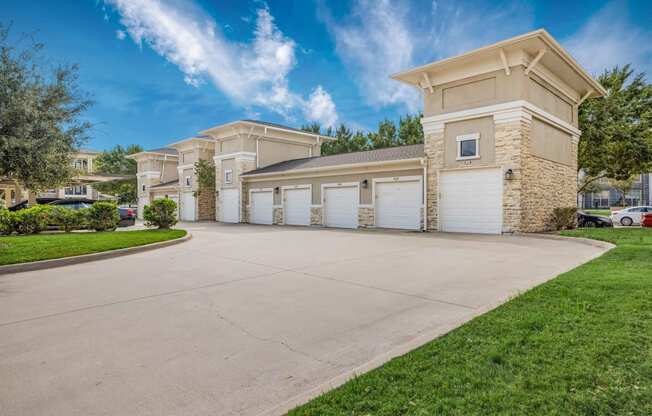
[(379, 155)]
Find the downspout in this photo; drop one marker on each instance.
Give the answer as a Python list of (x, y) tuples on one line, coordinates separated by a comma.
[(424, 162)]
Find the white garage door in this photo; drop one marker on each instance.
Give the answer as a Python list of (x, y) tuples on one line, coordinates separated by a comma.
[(398, 204), (296, 206), (230, 205), (471, 201), (187, 206), (261, 207), (341, 206)]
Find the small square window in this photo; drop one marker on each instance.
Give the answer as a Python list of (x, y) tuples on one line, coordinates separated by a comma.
[(468, 146), (228, 176)]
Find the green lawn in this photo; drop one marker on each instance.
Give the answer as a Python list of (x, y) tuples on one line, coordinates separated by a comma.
[(21, 249), (580, 344)]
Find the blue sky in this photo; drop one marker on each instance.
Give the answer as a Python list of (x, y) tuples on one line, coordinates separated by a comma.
[(161, 70)]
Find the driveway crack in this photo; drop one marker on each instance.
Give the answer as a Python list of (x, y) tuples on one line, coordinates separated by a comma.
[(269, 340)]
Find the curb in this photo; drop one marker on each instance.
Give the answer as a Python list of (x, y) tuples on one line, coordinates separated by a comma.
[(587, 241), (85, 258)]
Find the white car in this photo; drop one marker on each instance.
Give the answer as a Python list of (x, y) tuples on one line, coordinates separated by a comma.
[(629, 216)]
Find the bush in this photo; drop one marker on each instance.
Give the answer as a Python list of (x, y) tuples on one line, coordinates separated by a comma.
[(32, 220), (564, 218), (7, 222), (161, 213), (103, 216), (68, 219)]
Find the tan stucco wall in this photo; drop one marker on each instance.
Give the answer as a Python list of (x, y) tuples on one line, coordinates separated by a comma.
[(497, 87), (484, 126), (271, 152), (486, 89), (549, 142), (316, 182)]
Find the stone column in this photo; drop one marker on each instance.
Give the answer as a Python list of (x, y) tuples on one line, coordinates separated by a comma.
[(512, 135), (434, 152)]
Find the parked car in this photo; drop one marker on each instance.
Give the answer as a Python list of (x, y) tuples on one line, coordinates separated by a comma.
[(586, 219), (127, 217), (647, 220), (73, 203), (630, 216)]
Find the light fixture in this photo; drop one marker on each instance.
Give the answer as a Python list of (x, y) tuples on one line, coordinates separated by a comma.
[(509, 174), (276, 190), (365, 183)]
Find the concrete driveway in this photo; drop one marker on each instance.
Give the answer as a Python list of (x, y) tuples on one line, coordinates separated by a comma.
[(243, 320)]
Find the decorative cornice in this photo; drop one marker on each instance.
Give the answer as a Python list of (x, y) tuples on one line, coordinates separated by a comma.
[(236, 156)]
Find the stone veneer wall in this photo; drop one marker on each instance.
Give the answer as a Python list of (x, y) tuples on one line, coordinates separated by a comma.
[(365, 217), (206, 205), (316, 216), (277, 215), (546, 185), (242, 166), (512, 136), (434, 151)]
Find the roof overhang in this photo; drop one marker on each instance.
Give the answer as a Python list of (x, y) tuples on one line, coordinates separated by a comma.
[(147, 154), (326, 169), (536, 50), (98, 178), (248, 126), (202, 141)]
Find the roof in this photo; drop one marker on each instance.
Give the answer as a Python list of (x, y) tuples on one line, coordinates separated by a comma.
[(565, 66), (378, 155), (164, 184), (87, 150), (269, 124), (163, 150)]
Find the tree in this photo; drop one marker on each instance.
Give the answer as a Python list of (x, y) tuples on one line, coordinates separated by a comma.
[(40, 117), (623, 186), (115, 162), (205, 171), (616, 141), (410, 130)]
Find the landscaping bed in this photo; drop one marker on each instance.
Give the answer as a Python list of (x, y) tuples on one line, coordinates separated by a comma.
[(579, 344), (28, 248)]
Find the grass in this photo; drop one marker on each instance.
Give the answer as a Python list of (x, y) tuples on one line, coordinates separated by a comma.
[(21, 249), (580, 344), (603, 212)]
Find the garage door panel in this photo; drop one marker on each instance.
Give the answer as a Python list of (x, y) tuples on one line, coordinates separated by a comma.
[(261, 207), (341, 206), (230, 205), (296, 208), (471, 201), (187, 206), (398, 204)]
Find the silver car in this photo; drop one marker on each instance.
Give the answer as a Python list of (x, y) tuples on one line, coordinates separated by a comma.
[(629, 216)]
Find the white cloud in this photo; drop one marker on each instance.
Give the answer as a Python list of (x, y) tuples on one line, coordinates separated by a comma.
[(380, 38), (373, 43), (320, 107), (610, 38), (251, 74), (120, 34)]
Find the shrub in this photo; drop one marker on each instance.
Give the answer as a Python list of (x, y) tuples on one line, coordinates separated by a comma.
[(564, 218), (161, 213), (68, 219), (7, 222), (32, 220), (103, 216)]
